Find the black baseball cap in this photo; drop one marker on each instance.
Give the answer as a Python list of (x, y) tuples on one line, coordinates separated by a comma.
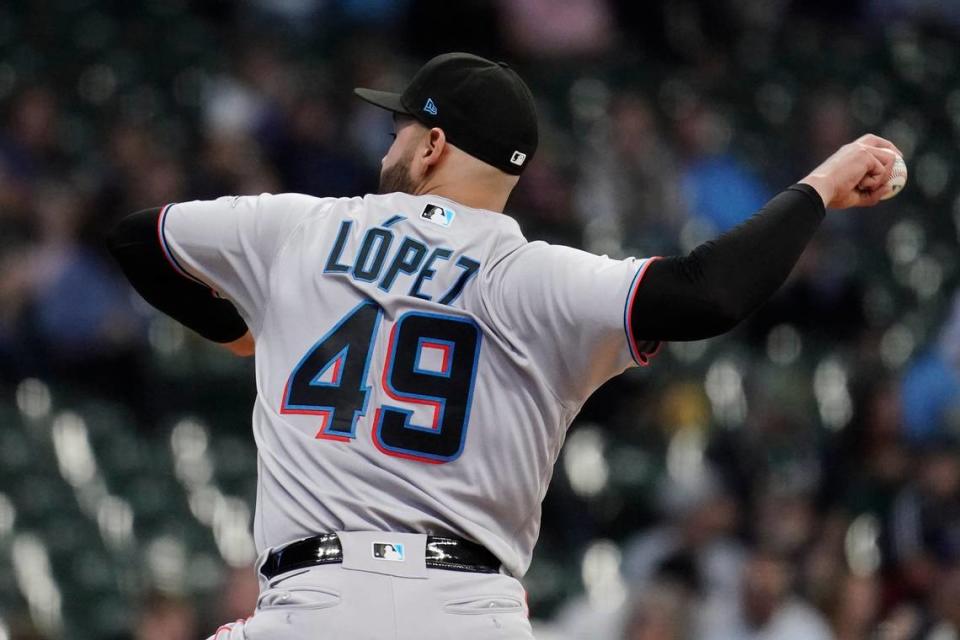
[(483, 107)]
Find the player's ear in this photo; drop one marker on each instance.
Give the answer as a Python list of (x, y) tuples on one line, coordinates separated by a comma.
[(433, 146)]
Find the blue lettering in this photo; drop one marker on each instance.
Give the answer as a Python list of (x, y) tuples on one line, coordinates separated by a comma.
[(470, 268), (374, 261), (407, 260), (369, 272), (333, 260), (428, 272)]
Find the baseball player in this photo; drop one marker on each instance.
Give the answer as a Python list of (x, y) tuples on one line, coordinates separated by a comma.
[(418, 361)]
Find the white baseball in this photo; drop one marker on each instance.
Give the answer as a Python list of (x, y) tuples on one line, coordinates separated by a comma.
[(897, 179)]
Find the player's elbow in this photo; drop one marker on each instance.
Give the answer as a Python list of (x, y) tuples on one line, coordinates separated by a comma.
[(117, 237), (132, 233), (696, 318)]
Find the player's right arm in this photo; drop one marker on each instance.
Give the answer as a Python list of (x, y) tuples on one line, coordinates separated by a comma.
[(721, 282), (581, 318)]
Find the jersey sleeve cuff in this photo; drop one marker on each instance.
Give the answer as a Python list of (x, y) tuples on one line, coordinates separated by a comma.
[(641, 352)]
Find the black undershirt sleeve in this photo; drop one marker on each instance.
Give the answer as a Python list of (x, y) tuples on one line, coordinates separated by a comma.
[(721, 282), (134, 244)]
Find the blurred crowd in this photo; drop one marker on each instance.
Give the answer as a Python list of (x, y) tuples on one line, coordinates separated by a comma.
[(797, 479)]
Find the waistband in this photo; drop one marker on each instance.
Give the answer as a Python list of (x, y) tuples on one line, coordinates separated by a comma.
[(450, 554)]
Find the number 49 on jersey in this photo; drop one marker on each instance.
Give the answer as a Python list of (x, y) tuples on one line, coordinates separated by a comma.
[(431, 360)]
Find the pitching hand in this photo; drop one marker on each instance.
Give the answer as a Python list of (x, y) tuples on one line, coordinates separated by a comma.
[(856, 175)]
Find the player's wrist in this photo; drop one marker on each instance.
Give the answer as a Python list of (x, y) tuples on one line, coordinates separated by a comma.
[(823, 185)]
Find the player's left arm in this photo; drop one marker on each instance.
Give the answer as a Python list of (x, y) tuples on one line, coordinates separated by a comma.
[(133, 242), (208, 264)]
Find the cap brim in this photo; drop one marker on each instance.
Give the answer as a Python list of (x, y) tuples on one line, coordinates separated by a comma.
[(383, 99)]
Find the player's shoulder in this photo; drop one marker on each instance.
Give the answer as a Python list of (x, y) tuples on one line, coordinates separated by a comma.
[(304, 203), (544, 255), (550, 265), (300, 210)]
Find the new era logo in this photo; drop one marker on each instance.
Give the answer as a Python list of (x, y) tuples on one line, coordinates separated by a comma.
[(392, 551), (429, 107), (518, 158)]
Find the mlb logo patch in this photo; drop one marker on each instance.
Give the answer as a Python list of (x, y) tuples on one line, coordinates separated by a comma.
[(518, 158), (392, 551), (438, 215)]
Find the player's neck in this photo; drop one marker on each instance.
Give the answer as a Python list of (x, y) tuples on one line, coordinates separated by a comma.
[(474, 197)]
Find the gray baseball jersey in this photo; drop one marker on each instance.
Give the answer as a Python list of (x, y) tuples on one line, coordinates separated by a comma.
[(418, 361)]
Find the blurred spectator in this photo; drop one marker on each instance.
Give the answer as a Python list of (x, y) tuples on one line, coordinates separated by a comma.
[(72, 317), (543, 203), (22, 630), (925, 519), (823, 298), (557, 28), (931, 386), (767, 608), (661, 612), (243, 102), (869, 462), (829, 126), (581, 619), (235, 164), (363, 13), (141, 171), (307, 151), (694, 546), (904, 622), (166, 618), (856, 608), (238, 596), (629, 194), (932, 13), (784, 520), (773, 462), (719, 188), (296, 16), (946, 606), (31, 146)]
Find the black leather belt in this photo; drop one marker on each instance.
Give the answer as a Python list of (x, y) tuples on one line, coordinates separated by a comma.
[(451, 554)]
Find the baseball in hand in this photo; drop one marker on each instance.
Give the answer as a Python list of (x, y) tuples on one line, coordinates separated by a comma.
[(898, 178)]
